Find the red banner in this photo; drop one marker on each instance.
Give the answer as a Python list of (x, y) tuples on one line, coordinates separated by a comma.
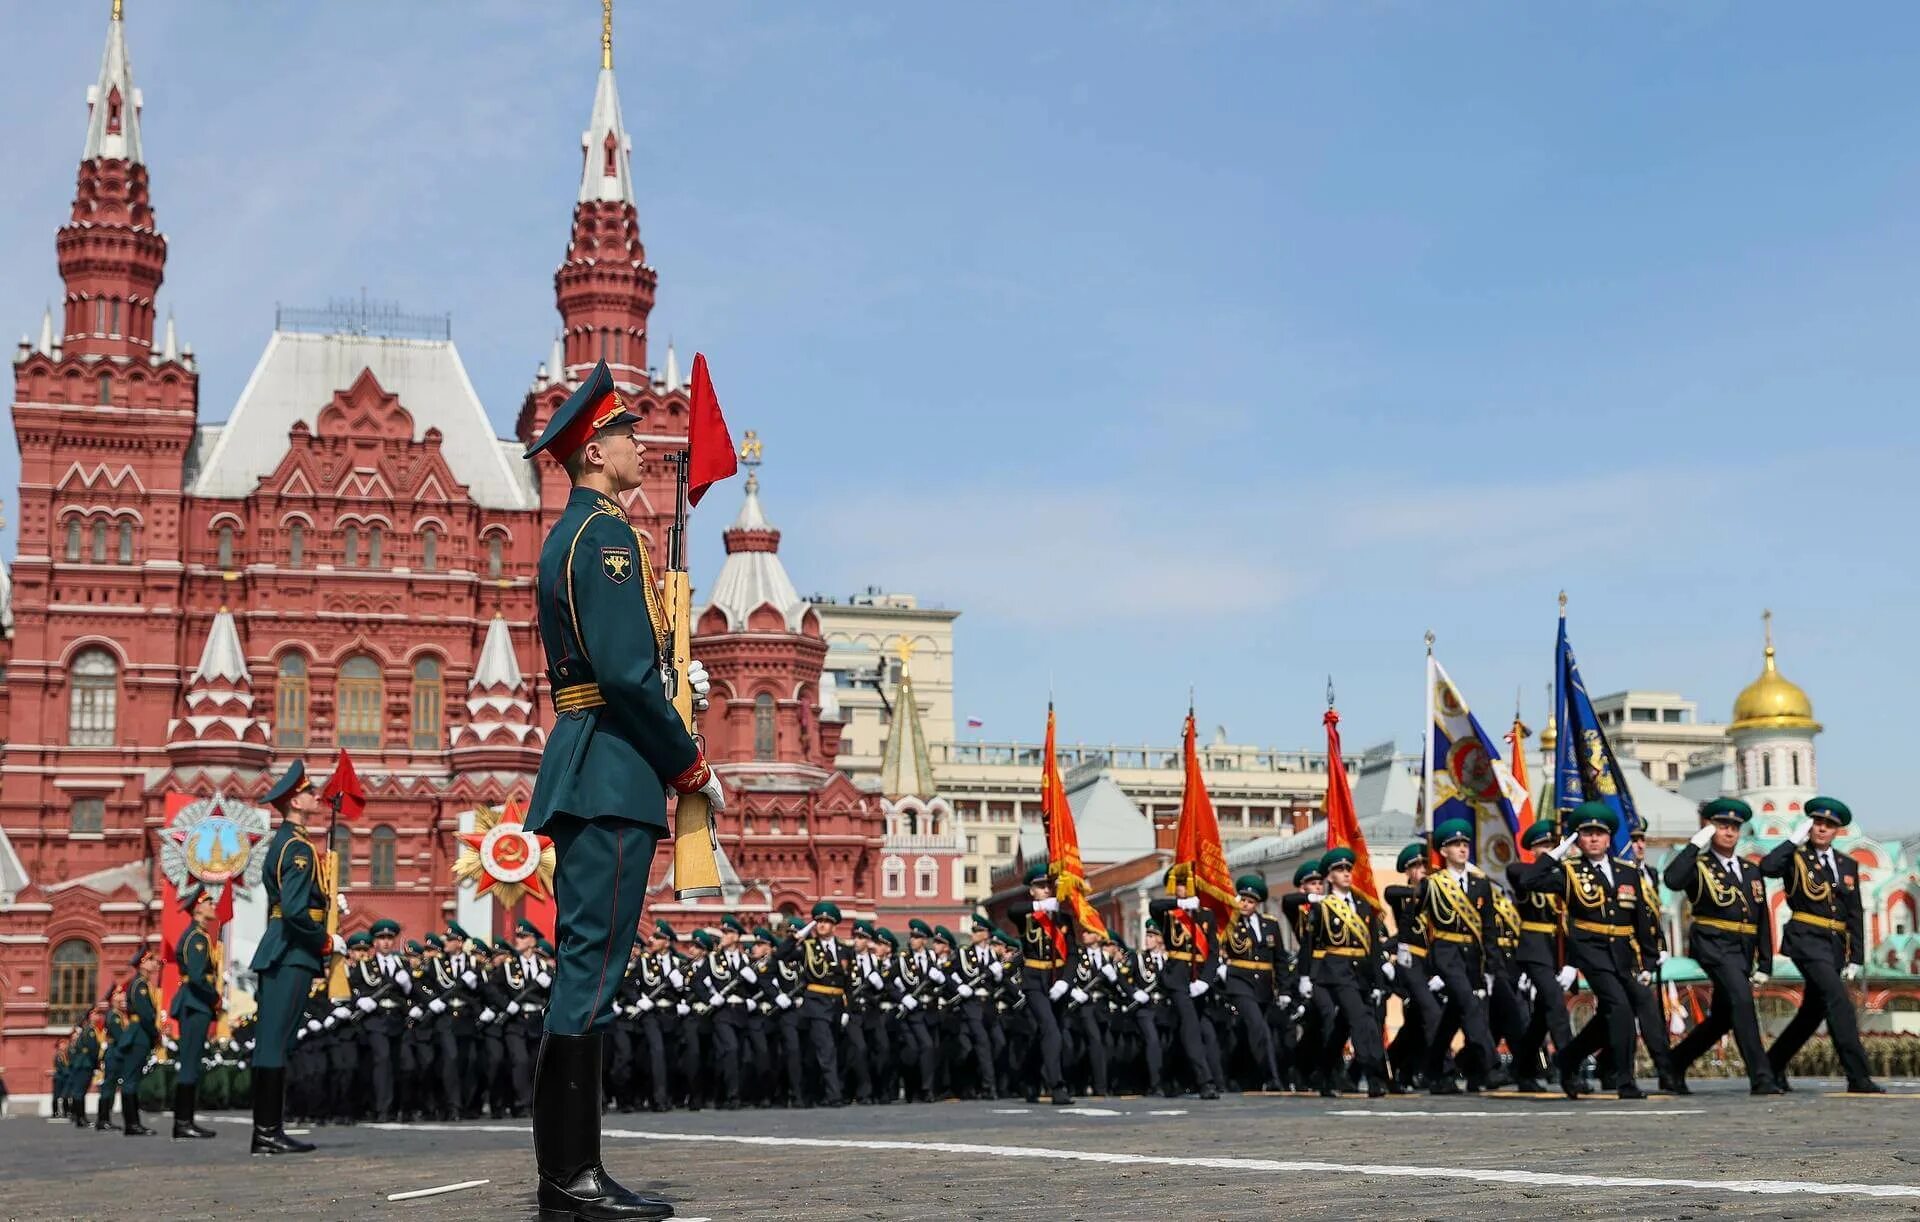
[(1197, 852), (1517, 765), (710, 454), (173, 920), (1063, 840), (1343, 823)]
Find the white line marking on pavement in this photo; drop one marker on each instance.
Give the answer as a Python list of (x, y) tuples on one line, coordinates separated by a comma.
[(1169, 1111), (1090, 1111), (434, 1192), (1519, 1114), (1011, 1111)]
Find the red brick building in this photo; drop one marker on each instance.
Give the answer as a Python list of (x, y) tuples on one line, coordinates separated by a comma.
[(347, 559)]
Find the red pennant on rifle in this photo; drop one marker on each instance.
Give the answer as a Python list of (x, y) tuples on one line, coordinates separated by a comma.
[(710, 454), (343, 788)]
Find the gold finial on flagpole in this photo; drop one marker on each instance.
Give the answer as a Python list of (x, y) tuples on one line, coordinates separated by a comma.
[(606, 31), (1563, 604), (1430, 642), (116, 10)]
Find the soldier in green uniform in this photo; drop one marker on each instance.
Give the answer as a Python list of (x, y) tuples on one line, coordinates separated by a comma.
[(113, 1020), (195, 1003), (138, 1036), (289, 956), (617, 747)]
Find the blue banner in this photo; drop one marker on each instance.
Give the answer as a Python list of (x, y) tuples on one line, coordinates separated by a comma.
[(1584, 767)]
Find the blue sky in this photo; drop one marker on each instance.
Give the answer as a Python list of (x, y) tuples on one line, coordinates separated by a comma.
[(1225, 344)]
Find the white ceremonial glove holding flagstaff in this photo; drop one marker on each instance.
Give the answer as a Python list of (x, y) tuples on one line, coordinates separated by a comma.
[(1851, 972), (1758, 978), (1190, 903)]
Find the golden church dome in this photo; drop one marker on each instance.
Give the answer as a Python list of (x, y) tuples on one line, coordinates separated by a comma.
[(1773, 702)]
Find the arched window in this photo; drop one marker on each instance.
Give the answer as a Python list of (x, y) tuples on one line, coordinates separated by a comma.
[(373, 547), (763, 736), (225, 555), (496, 556), (926, 876), (359, 703), (380, 869), (126, 543), (428, 702), (429, 549), (893, 877), (90, 713), (73, 538), (106, 380), (1766, 770), (343, 853), (290, 702), (71, 981), (296, 545), (352, 558), (99, 552)]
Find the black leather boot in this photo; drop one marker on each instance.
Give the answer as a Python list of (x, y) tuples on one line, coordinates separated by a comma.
[(184, 1096), (130, 1104), (106, 1111), (566, 1137), (269, 1112)]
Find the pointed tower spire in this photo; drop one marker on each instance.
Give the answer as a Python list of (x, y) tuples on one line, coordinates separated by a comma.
[(752, 575), (170, 348), (673, 368), (45, 346), (607, 173), (113, 104), (499, 701), (557, 362), (220, 725), (906, 769)]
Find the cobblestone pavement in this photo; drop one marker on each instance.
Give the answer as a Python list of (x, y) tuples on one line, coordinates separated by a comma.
[(1499, 1156)]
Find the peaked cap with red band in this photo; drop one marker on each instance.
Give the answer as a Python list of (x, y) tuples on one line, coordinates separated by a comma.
[(595, 406)]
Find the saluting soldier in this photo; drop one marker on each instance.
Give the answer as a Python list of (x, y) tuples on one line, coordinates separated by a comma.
[(1730, 937), (1251, 972), (1457, 917), (1649, 996), (824, 966), (1538, 960), (617, 748), (1824, 938), (195, 1003), (1187, 930), (1342, 950), (1605, 926), (289, 955), (1309, 886), (1043, 980)]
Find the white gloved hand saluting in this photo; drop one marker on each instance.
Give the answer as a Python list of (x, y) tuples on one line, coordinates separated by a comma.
[(1197, 988), (1703, 837), (1566, 977), (1190, 903), (1801, 833), (1559, 852), (699, 684), (1055, 993)]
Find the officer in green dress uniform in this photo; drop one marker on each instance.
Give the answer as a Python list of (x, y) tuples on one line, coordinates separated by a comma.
[(617, 747), (195, 1003), (113, 1021), (289, 956), (138, 1036)]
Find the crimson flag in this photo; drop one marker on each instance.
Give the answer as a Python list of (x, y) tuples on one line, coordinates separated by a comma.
[(1063, 840), (1197, 853), (344, 789), (710, 453), (1343, 822)]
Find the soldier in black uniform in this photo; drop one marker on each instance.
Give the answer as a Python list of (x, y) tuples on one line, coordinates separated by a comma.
[(920, 977), (1043, 980), (381, 985), (1342, 951), (1187, 930), (1730, 936), (459, 1038), (1149, 1008), (725, 986), (1824, 938), (1649, 996), (1420, 1009), (824, 965), (1307, 1055), (974, 987), (1086, 1006), (1250, 971), (1605, 926), (656, 1019), (1538, 959), (1456, 915)]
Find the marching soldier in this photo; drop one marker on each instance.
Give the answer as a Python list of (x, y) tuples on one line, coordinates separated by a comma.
[(1043, 981), (1824, 938), (656, 1013), (289, 956), (195, 1003), (1420, 1017), (1187, 931), (1538, 961), (380, 988), (1730, 937), (872, 1005), (1342, 953), (824, 966), (1251, 971), (1086, 1006), (617, 748), (725, 984), (919, 976), (1309, 886), (113, 1021), (1605, 927), (975, 977), (1649, 996), (1456, 914)]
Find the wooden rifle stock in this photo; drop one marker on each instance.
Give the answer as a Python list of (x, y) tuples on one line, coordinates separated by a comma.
[(696, 864)]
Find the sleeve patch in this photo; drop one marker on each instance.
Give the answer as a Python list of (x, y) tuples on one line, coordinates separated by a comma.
[(616, 563)]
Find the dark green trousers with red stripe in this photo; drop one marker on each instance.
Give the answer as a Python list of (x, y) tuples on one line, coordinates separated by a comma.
[(599, 887)]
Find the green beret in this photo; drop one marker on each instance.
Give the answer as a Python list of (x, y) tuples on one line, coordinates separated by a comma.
[(413, 948), (664, 930), (1831, 810), (1006, 939), (1591, 815), (1307, 872), (1540, 831), (436, 941), (919, 928), (888, 936), (981, 923), (360, 937), (826, 910), (1342, 856), (766, 935), (704, 940), (386, 927), (1409, 855), (1252, 886), (526, 929), (1452, 830), (863, 929), (733, 923), (1726, 809)]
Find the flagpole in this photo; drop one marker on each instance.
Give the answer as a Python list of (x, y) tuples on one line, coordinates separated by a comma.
[(1426, 740), (1559, 713)]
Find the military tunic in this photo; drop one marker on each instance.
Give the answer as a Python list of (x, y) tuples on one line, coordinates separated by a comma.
[(196, 1001), (1823, 935), (294, 945), (1730, 937)]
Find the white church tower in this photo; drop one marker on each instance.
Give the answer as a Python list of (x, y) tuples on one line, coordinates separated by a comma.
[(1772, 734)]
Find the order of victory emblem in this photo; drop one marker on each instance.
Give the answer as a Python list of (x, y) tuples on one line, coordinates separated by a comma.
[(212, 845)]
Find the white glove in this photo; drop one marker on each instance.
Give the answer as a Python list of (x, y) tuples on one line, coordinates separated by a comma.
[(404, 979), (416, 1013), (1046, 905), (873, 978), (966, 990), (679, 981), (782, 1000), (1058, 990), (313, 1026), (1801, 833), (716, 794), (1375, 995), (909, 1002), (1645, 978), (1524, 986), (1435, 984), (340, 901), (715, 1000), (1566, 977), (366, 1005), (643, 1006), (699, 684), (1142, 997), (513, 1007), (1404, 956), (342, 1013), (1759, 977), (437, 1006), (936, 975), (1108, 970), (1386, 969), (682, 1009), (1220, 972), (546, 981), (1190, 903), (470, 980), (1283, 1001), (1703, 837), (1314, 899), (1664, 956), (1559, 852), (1197, 988), (749, 975), (1079, 997), (339, 945), (998, 969), (1486, 984), (1850, 972), (1306, 987), (844, 1016)]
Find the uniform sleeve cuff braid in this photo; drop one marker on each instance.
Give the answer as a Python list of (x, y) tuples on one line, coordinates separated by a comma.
[(694, 778)]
